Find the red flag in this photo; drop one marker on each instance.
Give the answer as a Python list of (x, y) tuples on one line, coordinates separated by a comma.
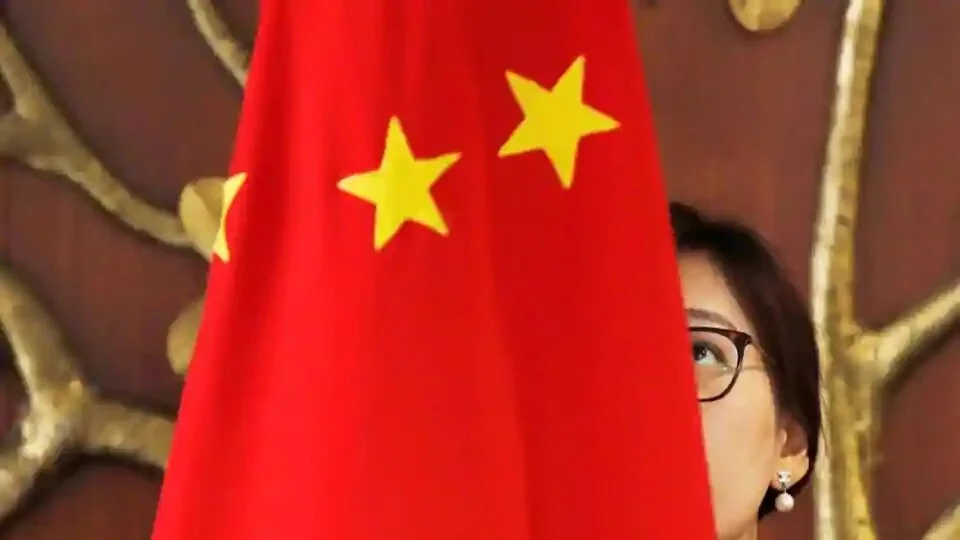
[(444, 304)]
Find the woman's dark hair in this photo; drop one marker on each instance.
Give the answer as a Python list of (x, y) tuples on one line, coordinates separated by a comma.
[(777, 311)]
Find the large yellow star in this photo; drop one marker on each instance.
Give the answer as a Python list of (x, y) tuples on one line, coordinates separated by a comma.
[(555, 120), (221, 248), (400, 188)]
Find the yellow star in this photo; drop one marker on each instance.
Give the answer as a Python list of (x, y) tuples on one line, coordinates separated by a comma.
[(555, 120), (221, 248), (400, 188)]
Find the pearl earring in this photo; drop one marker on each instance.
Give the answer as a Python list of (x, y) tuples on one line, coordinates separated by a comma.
[(784, 501)]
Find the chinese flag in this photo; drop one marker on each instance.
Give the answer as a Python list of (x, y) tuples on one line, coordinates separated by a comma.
[(444, 302)]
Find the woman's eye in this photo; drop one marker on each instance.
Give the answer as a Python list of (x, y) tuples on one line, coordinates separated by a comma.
[(704, 355)]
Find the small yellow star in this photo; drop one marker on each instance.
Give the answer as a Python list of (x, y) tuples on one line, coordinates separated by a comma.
[(221, 248), (555, 120), (400, 188)]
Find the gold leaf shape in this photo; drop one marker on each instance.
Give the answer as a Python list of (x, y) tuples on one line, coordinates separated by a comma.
[(227, 48), (182, 337), (763, 15), (38, 135), (63, 413), (199, 210)]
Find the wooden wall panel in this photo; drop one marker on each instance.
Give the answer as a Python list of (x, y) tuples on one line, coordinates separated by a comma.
[(742, 121)]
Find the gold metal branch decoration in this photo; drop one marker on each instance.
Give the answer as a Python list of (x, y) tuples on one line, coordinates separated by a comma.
[(859, 365), (947, 527), (63, 413), (37, 134), (218, 37)]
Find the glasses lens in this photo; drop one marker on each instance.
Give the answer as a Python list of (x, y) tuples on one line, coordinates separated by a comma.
[(714, 362)]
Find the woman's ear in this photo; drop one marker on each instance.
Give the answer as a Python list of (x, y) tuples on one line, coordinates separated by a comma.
[(793, 460)]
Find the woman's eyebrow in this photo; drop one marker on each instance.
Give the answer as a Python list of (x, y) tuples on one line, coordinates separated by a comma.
[(710, 316)]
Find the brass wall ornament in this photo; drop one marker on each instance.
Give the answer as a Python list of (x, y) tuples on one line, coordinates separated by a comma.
[(63, 413), (199, 210), (947, 526), (227, 48), (860, 366), (763, 15), (36, 134)]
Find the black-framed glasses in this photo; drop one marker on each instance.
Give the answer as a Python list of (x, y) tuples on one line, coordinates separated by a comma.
[(717, 359)]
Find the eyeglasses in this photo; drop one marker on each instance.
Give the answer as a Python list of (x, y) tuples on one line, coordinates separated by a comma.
[(717, 359)]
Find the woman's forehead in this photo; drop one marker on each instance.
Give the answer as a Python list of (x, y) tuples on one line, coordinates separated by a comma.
[(707, 298)]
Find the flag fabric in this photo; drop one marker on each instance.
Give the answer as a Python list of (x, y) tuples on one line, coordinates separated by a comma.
[(444, 301)]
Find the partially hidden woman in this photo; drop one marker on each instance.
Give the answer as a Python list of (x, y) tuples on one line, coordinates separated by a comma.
[(756, 359)]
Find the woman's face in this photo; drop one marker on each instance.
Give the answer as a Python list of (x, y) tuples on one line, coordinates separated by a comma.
[(745, 439)]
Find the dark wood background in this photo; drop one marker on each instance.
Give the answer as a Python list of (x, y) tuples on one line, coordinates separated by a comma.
[(742, 121)]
